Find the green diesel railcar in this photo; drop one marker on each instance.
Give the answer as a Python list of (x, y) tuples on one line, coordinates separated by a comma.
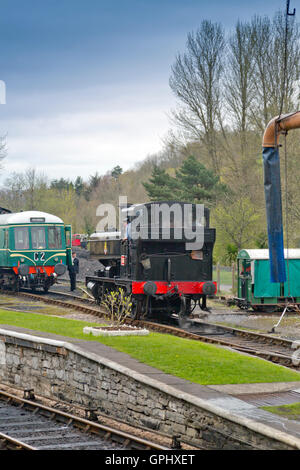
[(35, 248), (254, 286)]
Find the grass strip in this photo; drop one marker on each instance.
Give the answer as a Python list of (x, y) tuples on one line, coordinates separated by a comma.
[(291, 411), (191, 360)]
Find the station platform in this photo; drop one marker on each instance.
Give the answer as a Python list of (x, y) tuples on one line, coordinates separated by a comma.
[(243, 400)]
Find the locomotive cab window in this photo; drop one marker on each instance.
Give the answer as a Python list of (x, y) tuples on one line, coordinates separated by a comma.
[(21, 238), (38, 238), (54, 238)]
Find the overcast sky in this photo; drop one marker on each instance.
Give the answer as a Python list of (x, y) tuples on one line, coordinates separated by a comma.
[(88, 81)]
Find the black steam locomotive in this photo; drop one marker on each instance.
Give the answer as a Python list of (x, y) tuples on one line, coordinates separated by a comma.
[(162, 258)]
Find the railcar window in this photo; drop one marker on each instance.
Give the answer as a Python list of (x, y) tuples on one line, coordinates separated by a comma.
[(38, 238), (2, 238), (21, 238), (68, 239), (54, 237), (6, 239)]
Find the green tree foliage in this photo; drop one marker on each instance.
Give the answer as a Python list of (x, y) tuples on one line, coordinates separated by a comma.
[(61, 185), (193, 183), (161, 186), (196, 183), (237, 222), (116, 172), (231, 251), (94, 180), (79, 186)]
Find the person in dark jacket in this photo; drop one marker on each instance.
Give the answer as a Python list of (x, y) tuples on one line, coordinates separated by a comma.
[(73, 271)]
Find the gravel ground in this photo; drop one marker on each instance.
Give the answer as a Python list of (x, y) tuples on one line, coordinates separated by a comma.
[(289, 327)]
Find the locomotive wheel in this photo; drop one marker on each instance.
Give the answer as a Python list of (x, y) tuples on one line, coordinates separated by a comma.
[(47, 286), (135, 315), (183, 307), (202, 304), (137, 309), (16, 285)]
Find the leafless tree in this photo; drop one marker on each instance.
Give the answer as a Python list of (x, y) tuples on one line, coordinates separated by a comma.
[(270, 52), (239, 81), (3, 149), (262, 34), (195, 80), (13, 192), (290, 88)]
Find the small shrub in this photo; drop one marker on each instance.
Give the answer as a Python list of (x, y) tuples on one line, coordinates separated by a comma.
[(118, 306)]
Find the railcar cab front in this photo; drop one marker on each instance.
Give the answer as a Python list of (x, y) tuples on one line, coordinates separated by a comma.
[(33, 251)]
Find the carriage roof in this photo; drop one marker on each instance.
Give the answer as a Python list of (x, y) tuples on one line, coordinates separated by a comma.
[(291, 253), (29, 217)]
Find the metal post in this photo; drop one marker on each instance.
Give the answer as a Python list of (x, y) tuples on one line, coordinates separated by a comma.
[(218, 278), (233, 277)]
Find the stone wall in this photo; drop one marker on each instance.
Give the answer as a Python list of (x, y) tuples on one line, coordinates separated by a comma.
[(62, 371)]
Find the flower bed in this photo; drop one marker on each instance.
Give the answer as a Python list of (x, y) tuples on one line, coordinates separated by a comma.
[(121, 330)]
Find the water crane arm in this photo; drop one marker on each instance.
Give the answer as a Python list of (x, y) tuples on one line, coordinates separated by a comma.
[(285, 122)]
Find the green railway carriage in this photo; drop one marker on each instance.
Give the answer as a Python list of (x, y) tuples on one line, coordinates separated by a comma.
[(254, 286), (35, 248)]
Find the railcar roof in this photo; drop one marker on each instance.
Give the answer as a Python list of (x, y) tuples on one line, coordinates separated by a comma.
[(24, 218), (292, 253)]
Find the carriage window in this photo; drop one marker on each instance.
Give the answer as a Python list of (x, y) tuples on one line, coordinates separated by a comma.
[(21, 238), (38, 238), (54, 237)]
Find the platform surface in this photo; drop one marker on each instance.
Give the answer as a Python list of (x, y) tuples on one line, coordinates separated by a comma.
[(242, 400)]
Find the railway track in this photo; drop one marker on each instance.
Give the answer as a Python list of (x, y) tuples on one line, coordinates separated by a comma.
[(278, 350), (274, 349), (28, 425)]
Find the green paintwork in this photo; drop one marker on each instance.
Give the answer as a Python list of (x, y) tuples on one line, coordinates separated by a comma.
[(254, 283), (68, 238), (10, 257)]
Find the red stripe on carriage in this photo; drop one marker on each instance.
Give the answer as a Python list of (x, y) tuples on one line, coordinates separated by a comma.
[(33, 269), (184, 287)]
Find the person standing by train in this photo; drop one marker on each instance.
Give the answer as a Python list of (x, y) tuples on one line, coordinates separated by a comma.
[(73, 271)]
